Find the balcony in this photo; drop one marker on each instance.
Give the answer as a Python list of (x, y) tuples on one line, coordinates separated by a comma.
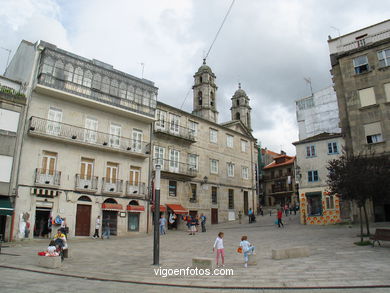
[(112, 186), (175, 170), (83, 136), (85, 183), (279, 189), (46, 177), (135, 190), (364, 41), (176, 131)]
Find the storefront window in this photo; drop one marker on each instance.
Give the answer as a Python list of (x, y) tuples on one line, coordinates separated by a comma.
[(133, 222)]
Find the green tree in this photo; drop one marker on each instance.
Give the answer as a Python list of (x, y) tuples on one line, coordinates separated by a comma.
[(360, 178)]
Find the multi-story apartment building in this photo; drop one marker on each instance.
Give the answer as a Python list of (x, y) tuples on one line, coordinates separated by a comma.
[(265, 157), (206, 167), (12, 105), (316, 204), (86, 143), (318, 113), (279, 181), (360, 68)]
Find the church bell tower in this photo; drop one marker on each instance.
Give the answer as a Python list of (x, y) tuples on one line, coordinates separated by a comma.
[(240, 109)]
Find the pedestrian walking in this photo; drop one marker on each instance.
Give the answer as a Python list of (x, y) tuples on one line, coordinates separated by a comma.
[(106, 231), (97, 227), (193, 226), (250, 215), (218, 244), (280, 215), (162, 222), (246, 249), (203, 222), (286, 209)]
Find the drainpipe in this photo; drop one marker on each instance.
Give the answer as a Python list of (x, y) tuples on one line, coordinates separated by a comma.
[(28, 92)]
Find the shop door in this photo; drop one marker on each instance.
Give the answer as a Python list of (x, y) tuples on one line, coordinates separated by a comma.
[(83, 220), (42, 216), (214, 216), (112, 217), (246, 202)]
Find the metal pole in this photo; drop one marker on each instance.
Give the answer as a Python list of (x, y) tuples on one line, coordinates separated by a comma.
[(156, 240)]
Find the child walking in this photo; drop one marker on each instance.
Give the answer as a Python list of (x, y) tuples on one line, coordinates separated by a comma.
[(246, 249), (218, 244)]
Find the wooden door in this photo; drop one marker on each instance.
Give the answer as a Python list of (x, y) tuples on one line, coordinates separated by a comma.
[(83, 220), (214, 216), (246, 202)]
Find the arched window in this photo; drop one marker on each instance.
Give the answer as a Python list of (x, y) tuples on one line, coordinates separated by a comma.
[(59, 69), (106, 85), (87, 81), (237, 116), (97, 81), (84, 198), (200, 79), (69, 72), (133, 203), (78, 76), (138, 95), (200, 98), (114, 87), (48, 65), (130, 93), (212, 101), (122, 90), (146, 99), (238, 102), (110, 200)]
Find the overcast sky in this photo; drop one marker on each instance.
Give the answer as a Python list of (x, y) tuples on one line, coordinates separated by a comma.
[(268, 46)]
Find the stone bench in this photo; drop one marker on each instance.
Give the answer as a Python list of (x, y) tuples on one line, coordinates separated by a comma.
[(50, 262), (290, 252), (202, 262)]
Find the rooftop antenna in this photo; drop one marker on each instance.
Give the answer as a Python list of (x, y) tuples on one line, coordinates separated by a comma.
[(143, 67), (308, 80), (9, 54)]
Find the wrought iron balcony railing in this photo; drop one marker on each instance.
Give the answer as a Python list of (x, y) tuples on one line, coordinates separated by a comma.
[(174, 130), (94, 94), (47, 177), (176, 167), (135, 189), (40, 126), (87, 183), (112, 185)]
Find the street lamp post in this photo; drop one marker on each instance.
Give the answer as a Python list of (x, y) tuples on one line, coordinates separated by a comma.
[(156, 240)]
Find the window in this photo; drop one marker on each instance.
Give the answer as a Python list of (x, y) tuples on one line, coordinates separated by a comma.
[(367, 97), (159, 156), (130, 93), (193, 192), (174, 121), (97, 81), (68, 73), (213, 135), (310, 151), (6, 167), (244, 146), (161, 117), (138, 95), (137, 140), (115, 135), (373, 132), (230, 169), (332, 148), (193, 127), (384, 58), (193, 161), (134, 176), (48, 174), (214, 195), (387, 91), (111, 174), (330, 202), (229, 140), (122, 90), (48, 65), (245, 172), (106, 85), (172, 188), (214, 166), (231, 199), (86, 171), (87, 81), (91, 126), (314, 204), (59, 69), (174, 157), (78, 76), (133, 222), (360, 64), (200, 98), (312, 176), (9, 120), (53, 126), (114, 87)]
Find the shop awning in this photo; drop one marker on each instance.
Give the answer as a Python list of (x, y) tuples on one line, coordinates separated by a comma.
[(112, 207), (133, 208), (6, 208), (177, 208), (162, 208)]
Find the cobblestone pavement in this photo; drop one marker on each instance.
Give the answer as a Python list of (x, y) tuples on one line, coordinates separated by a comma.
[(115, 263)]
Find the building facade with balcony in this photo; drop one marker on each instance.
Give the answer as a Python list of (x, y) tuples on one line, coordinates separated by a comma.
[(360, 63), (86, 143), (317, 206), (12, 108), (279, 181), (206, 167)]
